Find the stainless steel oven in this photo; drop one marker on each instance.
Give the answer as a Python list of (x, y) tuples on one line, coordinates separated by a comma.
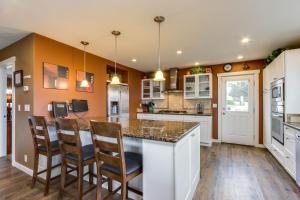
[(277, 127), (277, 110)]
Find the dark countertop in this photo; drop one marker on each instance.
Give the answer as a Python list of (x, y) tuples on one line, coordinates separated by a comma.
[(171, 113), (167, 131), (295, 125)]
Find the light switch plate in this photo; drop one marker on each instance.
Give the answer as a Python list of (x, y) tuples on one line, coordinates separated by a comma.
[(26, 107), (19, 107), (50, 107), (26, 88), (215, 105)]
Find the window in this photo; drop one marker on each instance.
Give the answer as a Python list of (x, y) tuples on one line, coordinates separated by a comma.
[(237, 95)]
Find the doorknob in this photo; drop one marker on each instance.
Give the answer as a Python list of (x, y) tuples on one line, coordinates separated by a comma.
[(223, 113), (4, 116)]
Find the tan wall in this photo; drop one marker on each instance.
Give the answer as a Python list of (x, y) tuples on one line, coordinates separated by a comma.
[(51, 51), (23, 51)]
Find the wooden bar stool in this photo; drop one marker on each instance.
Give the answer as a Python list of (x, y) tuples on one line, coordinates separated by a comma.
[(111, 160), (74, 154), (43, 146)]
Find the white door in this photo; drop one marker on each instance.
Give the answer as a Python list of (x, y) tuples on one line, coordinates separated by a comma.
[(3, 134), (237, 123)]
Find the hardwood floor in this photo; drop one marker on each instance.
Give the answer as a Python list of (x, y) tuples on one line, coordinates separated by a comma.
[(235, 172), (228, 172)]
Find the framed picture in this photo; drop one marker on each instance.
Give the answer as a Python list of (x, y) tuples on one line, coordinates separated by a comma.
[(56, 77), (18, 78), (89, 77)]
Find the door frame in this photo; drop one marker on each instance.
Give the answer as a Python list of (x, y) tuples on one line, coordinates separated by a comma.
[(256, 105), (11, 61)]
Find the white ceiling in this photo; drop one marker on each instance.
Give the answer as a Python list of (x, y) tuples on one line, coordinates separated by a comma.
[(207, 31)]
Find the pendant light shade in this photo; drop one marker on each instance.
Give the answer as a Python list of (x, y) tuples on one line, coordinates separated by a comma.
[(84, 83), (115, 79), (159, 75)]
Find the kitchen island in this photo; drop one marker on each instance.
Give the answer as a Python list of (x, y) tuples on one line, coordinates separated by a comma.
[(171, 155)]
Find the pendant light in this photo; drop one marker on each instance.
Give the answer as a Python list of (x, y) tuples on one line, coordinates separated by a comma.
[(84, 83), (159, 76), (115, 79)]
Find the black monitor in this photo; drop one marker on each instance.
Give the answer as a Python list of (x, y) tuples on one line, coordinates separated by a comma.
[(60, 109), (79, 105)]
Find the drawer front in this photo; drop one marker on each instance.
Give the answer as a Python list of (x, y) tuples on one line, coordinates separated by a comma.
[(290, 164), (290, 143), (279, 155)]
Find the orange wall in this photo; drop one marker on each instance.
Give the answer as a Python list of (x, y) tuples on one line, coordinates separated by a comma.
[(51, 51)]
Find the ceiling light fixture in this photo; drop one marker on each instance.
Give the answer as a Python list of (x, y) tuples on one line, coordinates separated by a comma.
[(133, 60), (240, 57), (159, 76), (115, 79), (245, 40), (179, 52), (197, 63), (84, 83)]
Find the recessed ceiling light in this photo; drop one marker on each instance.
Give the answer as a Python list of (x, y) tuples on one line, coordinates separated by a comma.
[(133, 60), (179, 52), (240, 57), (196, 63), (245, 40)]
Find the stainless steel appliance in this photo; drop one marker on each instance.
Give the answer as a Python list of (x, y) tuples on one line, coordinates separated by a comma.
[(298, 158), (277, 110), (117, 101), (173, 79)]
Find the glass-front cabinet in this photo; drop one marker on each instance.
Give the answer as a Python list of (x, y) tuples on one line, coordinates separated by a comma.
[(198, 86), (152, 89)]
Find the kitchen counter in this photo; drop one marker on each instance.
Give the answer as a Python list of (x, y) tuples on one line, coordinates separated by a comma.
[(174, 113), (295, 125), (166, 131)]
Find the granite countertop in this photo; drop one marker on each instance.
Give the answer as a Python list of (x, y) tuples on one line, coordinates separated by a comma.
[(167, 131), (295, 125), (174, 113)]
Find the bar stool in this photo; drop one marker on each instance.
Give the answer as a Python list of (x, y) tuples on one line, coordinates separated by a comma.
[(111, 160), (74, 154), (43, 146)]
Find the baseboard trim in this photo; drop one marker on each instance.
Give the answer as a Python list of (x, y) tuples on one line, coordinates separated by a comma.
[(216, 141), (22, 168), (260, 146)]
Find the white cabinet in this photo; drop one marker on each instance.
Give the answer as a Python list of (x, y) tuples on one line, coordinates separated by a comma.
[(205, 123), (198, 86), (152, 89), (277, 69), (292, 81)]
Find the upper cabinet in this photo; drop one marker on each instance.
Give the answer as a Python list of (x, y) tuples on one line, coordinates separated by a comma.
[(152, 89), (198, 86)]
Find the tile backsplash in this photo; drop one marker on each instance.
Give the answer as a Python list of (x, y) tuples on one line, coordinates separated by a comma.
[(175, 101)]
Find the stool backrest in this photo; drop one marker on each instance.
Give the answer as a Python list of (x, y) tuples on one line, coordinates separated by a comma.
[(69, 137), (39, 132), (106, 150)]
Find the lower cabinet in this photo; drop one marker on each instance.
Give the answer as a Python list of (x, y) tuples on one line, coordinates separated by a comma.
[(205, 123), (286, 154)]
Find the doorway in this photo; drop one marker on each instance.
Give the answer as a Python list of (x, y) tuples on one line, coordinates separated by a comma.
[(7, 99), (238, 100)]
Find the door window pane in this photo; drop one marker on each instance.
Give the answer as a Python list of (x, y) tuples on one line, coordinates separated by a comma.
[(237, 95)]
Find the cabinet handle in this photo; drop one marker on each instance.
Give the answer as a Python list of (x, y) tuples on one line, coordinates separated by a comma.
[(193, 134), (286, 138), (287, 157)]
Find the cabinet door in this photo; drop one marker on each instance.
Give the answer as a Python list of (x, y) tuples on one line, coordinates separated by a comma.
[(157, 89), (204, 85), (267, 78), (278, 67), (195, 155), (204, 136), (146, 89), (190, 86)]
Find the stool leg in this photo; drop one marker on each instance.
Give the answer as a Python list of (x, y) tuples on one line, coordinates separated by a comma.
[(48, 175), (99, 184), (91, 172), (127, 190), (35, 168), (123, 190), (109, 182), (62, 179), (80, 181)]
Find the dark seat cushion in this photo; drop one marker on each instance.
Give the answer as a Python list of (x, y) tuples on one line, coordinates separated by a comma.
[(87, 151), (133, 161), (54, 146)]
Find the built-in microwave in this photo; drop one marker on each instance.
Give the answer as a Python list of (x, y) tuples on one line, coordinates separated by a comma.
[(278, 91)]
